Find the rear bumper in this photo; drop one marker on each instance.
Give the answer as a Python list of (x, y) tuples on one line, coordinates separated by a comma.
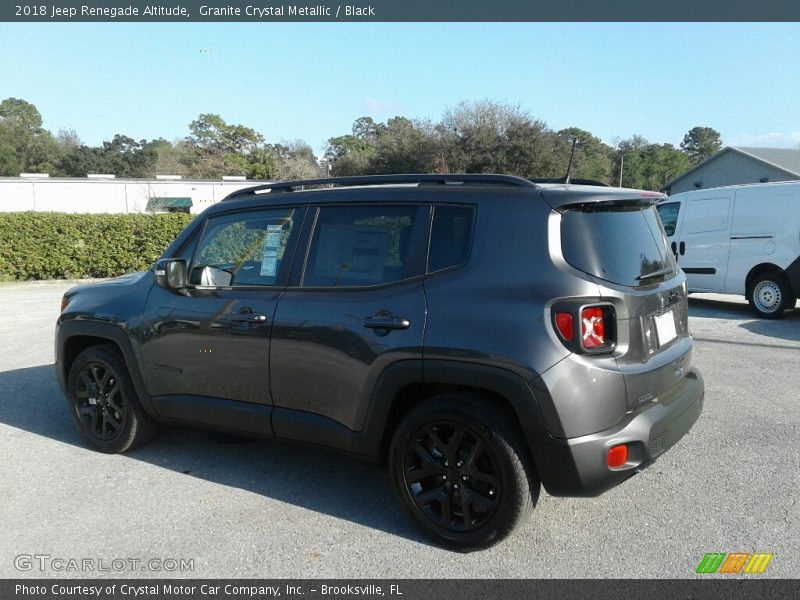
[(578, 466)]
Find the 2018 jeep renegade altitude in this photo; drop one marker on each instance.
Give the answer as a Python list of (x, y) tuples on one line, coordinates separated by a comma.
[(483, 334)]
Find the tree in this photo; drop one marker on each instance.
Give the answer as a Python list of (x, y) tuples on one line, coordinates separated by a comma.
[(700, 143), (648, 166), (218, 149), (403, 146), (662, 162), (494, 137), (212, 134), (352, 154), (295, 160), (365, 128), (593, 159), (24, 144), (122, 156), (25, 114)]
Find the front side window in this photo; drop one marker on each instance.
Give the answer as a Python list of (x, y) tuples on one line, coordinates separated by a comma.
[(361, 246), (669, 216), (244, 249)]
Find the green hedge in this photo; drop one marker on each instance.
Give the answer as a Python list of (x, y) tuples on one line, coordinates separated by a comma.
[(41, 245)]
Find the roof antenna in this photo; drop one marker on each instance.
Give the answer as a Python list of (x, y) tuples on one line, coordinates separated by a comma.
[(571, 156)]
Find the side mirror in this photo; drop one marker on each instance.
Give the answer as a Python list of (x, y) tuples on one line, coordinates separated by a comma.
[(171, 273)]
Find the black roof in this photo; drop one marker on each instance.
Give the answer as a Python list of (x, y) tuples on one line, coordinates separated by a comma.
[(376, 180), (556, 193)]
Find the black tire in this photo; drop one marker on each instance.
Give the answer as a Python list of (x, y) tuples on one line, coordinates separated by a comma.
[(456, 443), (770, 294), (103, 401)]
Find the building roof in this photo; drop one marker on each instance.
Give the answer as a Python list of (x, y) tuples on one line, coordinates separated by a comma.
[(785, 159)]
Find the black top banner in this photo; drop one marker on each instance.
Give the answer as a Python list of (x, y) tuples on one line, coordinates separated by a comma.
[(400, 10)]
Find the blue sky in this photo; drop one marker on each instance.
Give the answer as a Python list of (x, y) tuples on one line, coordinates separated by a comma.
[(310, 81)]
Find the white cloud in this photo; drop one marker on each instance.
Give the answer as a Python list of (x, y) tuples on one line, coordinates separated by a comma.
[(790, 139), (378, 107)]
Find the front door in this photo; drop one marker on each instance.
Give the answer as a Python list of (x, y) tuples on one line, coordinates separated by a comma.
[(213, 339)]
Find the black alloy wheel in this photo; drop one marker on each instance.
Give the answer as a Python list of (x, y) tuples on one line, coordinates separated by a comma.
[(104, 403), (452, 476), (461, 471), (100, 402)]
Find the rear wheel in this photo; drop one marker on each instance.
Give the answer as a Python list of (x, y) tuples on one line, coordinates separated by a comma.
[(769, 295), (104, 403), (461, 473)]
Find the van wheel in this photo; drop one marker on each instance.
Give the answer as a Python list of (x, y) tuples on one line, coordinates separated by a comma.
[(104, 403), (770, 295), (461, 473)]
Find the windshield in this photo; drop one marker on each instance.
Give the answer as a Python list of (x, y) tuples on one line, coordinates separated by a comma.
[(621, 244)]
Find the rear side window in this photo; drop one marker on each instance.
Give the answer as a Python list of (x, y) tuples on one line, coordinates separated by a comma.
[(451, 235), (707, 214), (624, 244), (361, 246)]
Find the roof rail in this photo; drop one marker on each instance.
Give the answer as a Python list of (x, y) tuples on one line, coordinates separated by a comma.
[(444, 179), (572, 181)]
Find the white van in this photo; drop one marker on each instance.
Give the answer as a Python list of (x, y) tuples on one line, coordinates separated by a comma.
[(740, 239)]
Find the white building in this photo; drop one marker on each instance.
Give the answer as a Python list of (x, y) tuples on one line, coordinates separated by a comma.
[(107, 194)]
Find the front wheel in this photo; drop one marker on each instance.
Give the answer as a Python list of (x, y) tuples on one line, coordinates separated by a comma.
[(461, 472), (770, 295), (104, 403)]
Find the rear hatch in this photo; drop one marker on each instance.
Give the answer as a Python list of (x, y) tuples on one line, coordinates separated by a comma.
[(620, 243)]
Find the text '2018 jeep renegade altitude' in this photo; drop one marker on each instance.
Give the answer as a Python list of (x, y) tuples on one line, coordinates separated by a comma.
[(482, 334)]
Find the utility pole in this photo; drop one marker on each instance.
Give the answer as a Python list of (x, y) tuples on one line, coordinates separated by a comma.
[(571, 156), (621, 164)]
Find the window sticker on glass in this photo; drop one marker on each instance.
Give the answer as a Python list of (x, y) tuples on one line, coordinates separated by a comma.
[(273, 236), (269, 254), (269, 266)]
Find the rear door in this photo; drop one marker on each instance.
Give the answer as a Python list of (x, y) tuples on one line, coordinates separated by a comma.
[(623, 246), (355, 306)]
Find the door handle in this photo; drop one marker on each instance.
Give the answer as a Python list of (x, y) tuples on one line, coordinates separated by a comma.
[(683, 248), (386, 322), (674, 247), (249, 317)]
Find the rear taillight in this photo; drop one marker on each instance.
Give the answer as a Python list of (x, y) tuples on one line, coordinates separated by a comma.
[(64, 303), (566, 325), (586, 329), (593, 328)]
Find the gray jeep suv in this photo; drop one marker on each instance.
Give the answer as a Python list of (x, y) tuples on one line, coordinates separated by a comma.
[(482, 334)]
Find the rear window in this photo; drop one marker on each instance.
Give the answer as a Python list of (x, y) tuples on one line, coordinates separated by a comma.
[(621, 244), (450, 237)]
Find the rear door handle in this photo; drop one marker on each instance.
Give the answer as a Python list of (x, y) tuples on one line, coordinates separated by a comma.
[(384, 322), (249, 318), (683, 248)]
